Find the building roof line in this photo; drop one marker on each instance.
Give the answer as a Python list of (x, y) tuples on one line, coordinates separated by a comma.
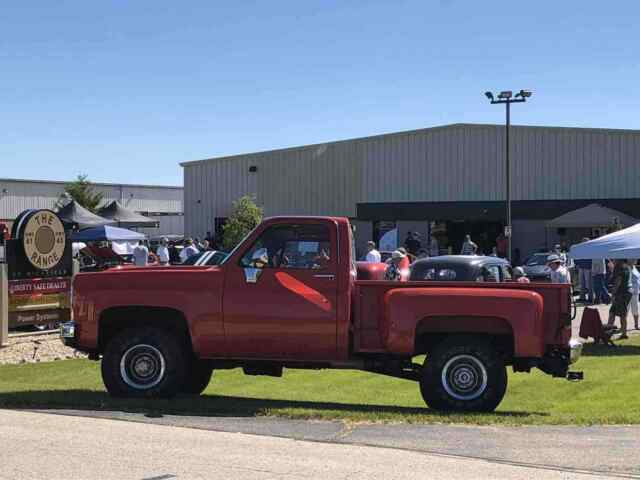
[(401, 133), (98, 184)]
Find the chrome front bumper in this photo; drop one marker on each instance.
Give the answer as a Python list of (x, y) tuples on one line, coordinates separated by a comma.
[(575, 349)]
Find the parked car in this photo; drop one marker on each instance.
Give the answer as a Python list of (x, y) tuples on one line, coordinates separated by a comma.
[(287, 297), (461, 268), (536, 267), (209, 257)]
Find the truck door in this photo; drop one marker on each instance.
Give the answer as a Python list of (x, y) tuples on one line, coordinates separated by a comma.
[(280, 294)]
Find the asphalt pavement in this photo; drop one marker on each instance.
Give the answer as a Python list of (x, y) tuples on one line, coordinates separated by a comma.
[(609, 451), (45, 446)]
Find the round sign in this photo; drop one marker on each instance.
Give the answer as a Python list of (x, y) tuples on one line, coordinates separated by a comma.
[(43, 239)]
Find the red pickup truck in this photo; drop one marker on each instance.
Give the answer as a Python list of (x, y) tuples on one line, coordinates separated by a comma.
[(289, 296)]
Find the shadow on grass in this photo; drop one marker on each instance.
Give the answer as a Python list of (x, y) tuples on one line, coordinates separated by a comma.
[(593, 350), (209, 405)]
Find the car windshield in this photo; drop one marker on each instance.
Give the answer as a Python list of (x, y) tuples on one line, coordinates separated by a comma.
[(537, 259)]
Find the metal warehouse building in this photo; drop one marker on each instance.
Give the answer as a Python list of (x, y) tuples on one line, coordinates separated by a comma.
[(164, 204), (448, 180)]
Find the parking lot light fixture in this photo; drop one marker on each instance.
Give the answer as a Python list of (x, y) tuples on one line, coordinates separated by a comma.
[(505, 97)]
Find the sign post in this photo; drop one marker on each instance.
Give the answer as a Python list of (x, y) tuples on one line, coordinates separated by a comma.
[(39, 270)]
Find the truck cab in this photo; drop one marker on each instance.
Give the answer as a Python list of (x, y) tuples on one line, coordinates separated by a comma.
[(288, 296)]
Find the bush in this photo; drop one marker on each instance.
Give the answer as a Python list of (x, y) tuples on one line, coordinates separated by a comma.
[(245, 217)]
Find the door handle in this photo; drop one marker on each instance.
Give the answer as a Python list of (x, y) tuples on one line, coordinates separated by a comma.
[(328, 276)]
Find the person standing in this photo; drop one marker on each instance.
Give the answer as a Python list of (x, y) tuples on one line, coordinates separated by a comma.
[(373, 255), (584, 277), (501, 246), (622, 289), (468, 247), (559, 273), (189, 250), (557, 250), (163, 252), (599, 273), (141, 255), (635, 292), (434, 247), (412, 244)]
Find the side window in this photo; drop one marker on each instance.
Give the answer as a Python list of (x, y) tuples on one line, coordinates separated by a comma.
[(446, 275), (428, 274), (489, 273), (291, 246), (494, 273)]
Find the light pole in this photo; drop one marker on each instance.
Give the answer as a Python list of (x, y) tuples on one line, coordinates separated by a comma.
[(506, 98)]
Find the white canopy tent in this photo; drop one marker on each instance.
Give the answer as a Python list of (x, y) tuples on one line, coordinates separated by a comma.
[(622, 244), (591, 216)]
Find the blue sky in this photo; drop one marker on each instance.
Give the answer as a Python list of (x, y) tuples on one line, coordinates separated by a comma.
[(125, 90)]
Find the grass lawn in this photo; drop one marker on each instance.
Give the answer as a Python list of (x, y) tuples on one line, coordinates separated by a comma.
[(608, 395)]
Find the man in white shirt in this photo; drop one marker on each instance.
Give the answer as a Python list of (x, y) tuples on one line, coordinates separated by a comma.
[(163, 252), (141, 255), (373, 255), (559, 273), (189, 250)]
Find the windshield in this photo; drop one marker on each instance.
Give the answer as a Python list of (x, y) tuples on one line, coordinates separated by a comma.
[(537, 259)]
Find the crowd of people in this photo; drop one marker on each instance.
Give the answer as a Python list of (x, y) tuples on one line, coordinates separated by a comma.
[(167, 252)]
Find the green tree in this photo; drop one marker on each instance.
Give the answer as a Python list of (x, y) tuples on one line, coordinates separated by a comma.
[(246, 216), (82, 191)]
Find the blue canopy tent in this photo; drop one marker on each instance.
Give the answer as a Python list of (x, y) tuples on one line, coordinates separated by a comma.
[(106, 233), (622, 244)]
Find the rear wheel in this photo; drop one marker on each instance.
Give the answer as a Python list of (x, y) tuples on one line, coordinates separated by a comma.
[(144, 362), (198, 378), (464, 374)]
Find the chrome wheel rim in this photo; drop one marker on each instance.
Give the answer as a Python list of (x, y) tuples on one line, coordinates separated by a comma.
[(142, 367), (464, 377)]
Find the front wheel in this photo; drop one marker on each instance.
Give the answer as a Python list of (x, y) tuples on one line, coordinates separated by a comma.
[(464, 374), (144, 362)]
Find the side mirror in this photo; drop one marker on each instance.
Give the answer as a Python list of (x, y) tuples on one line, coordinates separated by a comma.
[(260, 258)]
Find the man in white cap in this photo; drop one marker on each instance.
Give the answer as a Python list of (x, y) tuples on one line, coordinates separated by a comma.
[(394, 270), (559, 273)]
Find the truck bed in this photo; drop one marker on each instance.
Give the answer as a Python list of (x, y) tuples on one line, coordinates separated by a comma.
[(369, 310)]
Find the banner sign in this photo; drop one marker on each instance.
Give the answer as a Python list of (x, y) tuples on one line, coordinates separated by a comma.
[(39, 286), (39, 268)]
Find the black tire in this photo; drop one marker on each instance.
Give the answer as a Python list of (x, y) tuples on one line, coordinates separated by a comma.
[(464, 374), (198, 378), (144, 362)]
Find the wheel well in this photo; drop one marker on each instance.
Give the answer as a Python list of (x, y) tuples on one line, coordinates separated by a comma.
[(432, 331), (114, 320)]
